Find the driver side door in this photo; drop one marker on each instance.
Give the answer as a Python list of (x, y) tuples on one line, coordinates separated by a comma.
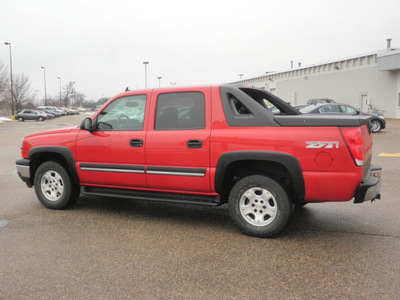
[(113, 154)]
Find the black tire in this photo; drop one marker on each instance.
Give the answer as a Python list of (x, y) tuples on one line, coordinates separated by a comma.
[(259, 206), (299, 206), (376, 126), (54, 187), (41, 119), (21, 119)]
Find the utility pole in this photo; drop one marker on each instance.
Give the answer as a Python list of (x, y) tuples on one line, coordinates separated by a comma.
[(11, 77)]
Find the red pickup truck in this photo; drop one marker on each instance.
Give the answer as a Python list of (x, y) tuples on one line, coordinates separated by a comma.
[(207, 145)]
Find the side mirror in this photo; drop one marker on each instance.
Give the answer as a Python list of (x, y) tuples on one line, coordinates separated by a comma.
[(87, 124)]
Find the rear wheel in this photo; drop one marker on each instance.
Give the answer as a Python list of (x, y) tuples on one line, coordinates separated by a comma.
[(54, 187), (259, 206), (41, 119), (376, 126)]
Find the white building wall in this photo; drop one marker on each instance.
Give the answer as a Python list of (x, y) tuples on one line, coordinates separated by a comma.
[(356, 81), (350, 86)]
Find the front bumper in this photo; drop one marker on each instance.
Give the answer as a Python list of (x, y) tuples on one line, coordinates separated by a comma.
[(369, 189), (23, 170)]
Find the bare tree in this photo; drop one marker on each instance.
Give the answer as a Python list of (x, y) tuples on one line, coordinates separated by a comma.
[(68, 92), (22, 93), (52, 101), (4, 84), (79, 99)]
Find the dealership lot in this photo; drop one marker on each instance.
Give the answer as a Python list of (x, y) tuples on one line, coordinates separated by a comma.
[(111, 248)]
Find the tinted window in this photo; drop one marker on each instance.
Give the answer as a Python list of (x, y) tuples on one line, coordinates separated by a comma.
[(330, 109), (238, 107), (179, 111), (126, 113), (348, 110)]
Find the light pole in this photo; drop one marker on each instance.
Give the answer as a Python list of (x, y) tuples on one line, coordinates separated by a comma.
[(59, 78), (45, 91), (11, 77), (72, 93), (173, 83), (240, 76), (145, 73), (159, 81)]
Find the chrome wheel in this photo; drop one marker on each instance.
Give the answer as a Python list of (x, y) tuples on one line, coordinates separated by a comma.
[(52, 185), (375, 126), (258, 206)]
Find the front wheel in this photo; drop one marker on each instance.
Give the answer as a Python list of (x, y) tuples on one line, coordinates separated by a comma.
[(375, 126), (53, 186), (259, 206)]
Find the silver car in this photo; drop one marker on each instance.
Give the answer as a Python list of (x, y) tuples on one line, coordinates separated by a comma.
[(30, 114)]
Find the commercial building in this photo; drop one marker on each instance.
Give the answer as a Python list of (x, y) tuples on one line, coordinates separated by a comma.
[(369, 81)]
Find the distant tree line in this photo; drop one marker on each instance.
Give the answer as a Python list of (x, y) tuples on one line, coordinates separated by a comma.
[(24, 97)]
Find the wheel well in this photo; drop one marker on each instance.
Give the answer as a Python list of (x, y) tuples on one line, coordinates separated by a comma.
[(40, 158), (240, 169)]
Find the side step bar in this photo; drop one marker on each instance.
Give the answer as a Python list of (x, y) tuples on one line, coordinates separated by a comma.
[(151, 196)]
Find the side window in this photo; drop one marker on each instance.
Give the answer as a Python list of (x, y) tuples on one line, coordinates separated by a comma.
[(180, 111), (126, 113), (238, 107), (330, 109), (348, 110)]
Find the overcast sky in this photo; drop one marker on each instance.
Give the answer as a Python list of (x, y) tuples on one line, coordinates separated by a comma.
[(101, 45)]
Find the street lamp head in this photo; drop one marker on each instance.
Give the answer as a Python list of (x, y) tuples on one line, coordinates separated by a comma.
[(146, 62), (7, 43)]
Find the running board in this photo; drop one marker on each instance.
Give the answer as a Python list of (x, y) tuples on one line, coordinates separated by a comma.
[(151, 196)]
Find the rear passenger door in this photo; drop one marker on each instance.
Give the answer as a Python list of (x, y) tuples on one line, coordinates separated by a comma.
[(178, 141)]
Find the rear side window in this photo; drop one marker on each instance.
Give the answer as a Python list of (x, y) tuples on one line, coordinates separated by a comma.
[(180, 111), (348, 110), (330, 109), (238, 107)]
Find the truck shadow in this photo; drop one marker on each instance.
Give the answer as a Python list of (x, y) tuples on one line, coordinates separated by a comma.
[(163, 211), (194, 215)]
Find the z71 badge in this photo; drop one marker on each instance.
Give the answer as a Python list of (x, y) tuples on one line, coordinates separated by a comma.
[(319, 145)]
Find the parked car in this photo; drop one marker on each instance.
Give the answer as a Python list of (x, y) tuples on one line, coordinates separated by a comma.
[(72, 112), (320, 100), (30, 114), (76, 110), (298, 107), (377, 122), (48, 113), (53, 110)]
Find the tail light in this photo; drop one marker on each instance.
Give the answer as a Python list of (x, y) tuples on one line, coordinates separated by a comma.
[(354, 142)]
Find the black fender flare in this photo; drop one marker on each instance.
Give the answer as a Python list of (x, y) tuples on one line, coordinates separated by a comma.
[(65, 152), (288, 161)]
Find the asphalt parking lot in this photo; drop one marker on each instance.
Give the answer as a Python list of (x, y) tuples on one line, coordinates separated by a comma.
[(118, 249)]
